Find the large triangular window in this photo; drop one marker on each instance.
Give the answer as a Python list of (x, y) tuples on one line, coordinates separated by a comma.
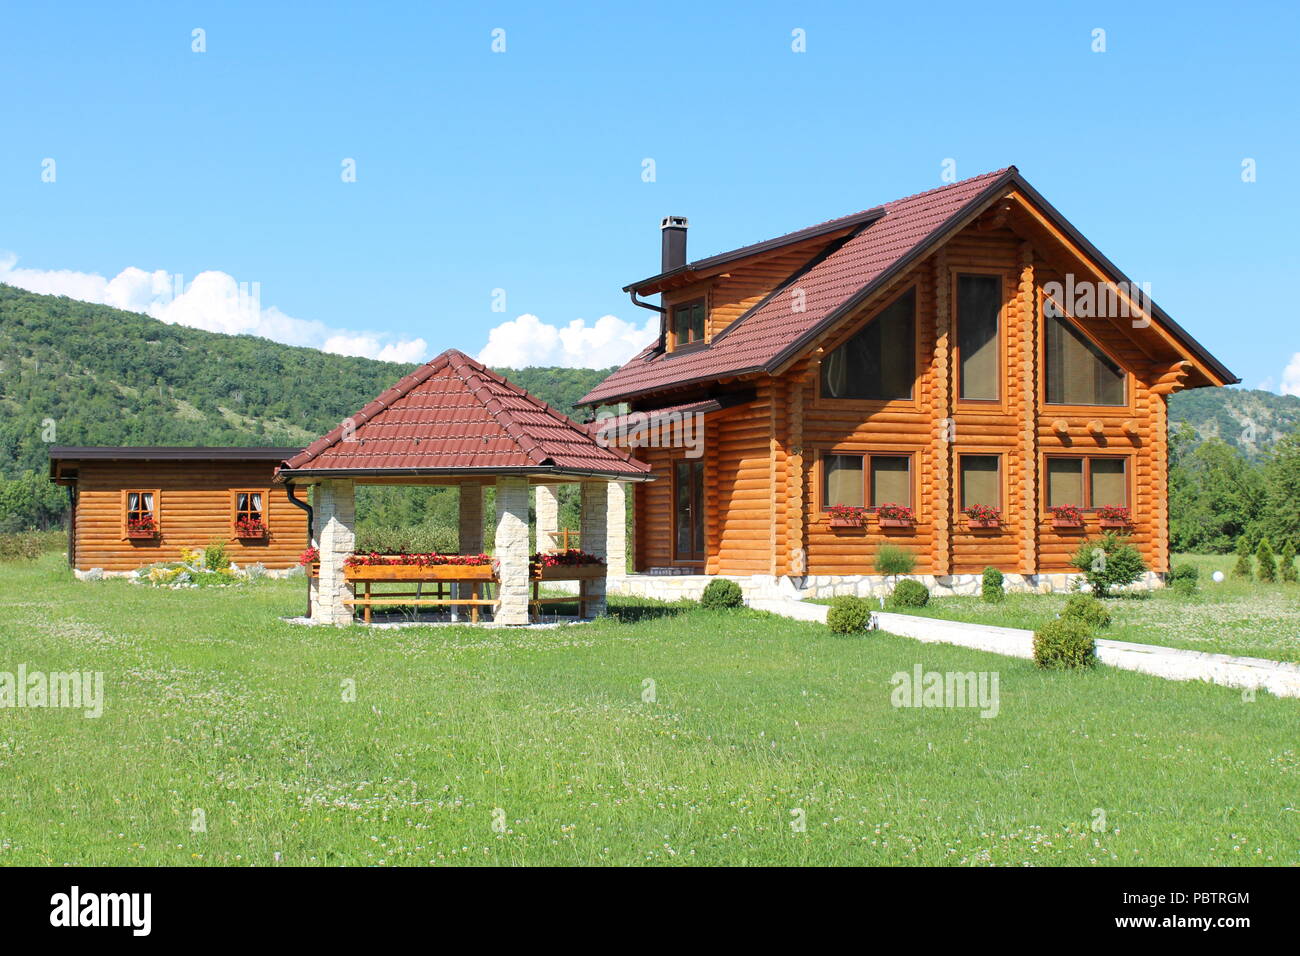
[(879, 363), (1077, 372)]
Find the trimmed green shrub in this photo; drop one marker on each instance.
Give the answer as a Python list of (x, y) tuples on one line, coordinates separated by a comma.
[(1108, 562), (1184, 579), (909, 594), (1267, 563), (991, 589), (1063, 644), (215, 557), (721, 593), (1286, 562), (1086, 608), (1243, 567), (894, 559), (849, 615)]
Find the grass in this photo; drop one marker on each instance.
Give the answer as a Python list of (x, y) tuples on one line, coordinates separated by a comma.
[(214, 704), (1246, 618)]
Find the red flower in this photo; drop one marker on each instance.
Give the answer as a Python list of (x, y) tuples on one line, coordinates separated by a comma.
[(983, 513), (569, 557), (894, 512), (1114, 513), (1066, 514), (310, 556)]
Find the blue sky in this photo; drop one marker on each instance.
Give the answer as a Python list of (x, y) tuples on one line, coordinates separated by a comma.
[(522, 170)]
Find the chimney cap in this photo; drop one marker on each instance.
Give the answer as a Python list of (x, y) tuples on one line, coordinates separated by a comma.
[(674, 222)]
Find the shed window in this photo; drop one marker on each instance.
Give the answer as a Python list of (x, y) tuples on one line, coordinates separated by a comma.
[(140, 513), (979, 307), (688, 322), (1087, 482), (879, 362), (981, 482), (1076, 371), (870, 480), (248, 506)]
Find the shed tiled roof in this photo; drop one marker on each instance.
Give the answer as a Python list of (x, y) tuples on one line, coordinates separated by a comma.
[(763, 337), (454, 416)]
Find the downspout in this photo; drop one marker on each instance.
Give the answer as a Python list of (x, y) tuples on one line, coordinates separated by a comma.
[(72, 526), (311, 531), (663, 315)]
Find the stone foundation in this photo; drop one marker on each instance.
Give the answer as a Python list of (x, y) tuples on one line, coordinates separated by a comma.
[(675, 587)]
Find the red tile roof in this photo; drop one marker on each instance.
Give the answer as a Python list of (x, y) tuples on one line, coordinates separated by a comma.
[(454, 416), (772, 331)]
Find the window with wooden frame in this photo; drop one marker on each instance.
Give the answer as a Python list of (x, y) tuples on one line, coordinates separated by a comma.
[(1087, 482), (981, 481), (878, 364), (869, 480), (140, 513), (688, 322), (979, 351), (249, 509), (1075, 370)]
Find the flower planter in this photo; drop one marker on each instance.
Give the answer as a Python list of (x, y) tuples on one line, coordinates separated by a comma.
[(1065, 524), (983, 524), (251, 535), (844, 522), (569, 572), (1115, 523), (895, 523), (142, 535), (413, 572)]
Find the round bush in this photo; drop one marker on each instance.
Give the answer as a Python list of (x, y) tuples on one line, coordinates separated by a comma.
[(721, 593), (1086, 609), (1184, 579), (849, 615), (909, 594), (1064, 643), (991, 589)]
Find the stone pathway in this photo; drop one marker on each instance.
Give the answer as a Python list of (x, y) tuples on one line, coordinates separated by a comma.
[(1280, 679)]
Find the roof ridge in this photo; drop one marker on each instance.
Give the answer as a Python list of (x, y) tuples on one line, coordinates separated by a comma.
[(961, 182)]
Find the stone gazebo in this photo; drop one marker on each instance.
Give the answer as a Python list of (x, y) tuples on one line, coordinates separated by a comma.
[(454, 422)]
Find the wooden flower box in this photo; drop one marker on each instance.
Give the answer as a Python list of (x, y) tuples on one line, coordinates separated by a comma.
[(414, 572), (844, 522), (570, 572), (1115, 523), (896, 522), (145, 535), (983, 524), (1067, 524), (258, 535)]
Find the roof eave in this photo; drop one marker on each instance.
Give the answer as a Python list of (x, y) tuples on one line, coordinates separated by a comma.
[(284, 475)]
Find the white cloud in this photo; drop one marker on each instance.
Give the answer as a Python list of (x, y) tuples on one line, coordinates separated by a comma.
[(1291, 376), (214, 301), (528, 340)]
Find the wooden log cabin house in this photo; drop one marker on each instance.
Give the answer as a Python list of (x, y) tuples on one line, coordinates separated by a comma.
[(938, 352), (136, 506)]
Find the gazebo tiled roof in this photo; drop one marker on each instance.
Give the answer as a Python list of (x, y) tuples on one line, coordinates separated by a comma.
[(453, 416)]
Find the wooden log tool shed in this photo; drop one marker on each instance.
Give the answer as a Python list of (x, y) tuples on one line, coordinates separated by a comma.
[(453, 422)]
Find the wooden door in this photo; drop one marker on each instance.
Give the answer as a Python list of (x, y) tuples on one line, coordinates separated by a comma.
[(688, 511)]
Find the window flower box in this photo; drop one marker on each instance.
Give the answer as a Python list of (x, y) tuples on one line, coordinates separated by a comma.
[(845, 516), (895, 516), (141, 529), (418, 567), (1114, 516), (246, 529), (1066, 516), (983, 517)]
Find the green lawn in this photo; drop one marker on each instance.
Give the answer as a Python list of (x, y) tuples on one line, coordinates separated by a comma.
[(1236, 617), (212, 703)]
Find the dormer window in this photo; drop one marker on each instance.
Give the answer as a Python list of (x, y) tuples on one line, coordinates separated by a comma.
[(688, 323)]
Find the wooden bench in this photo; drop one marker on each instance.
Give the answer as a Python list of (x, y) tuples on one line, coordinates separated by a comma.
[(479, 577)]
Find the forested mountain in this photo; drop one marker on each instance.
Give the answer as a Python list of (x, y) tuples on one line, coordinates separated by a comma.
[(1249, 420), (74, 373)]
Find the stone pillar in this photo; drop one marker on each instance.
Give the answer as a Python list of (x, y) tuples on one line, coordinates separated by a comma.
[(512, 550), (471, 517), (595, 521), (616, 531), (548, 516), (334, 504)]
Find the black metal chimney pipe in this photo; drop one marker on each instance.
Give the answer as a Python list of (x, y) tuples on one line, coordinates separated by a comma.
[(673, 229)]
